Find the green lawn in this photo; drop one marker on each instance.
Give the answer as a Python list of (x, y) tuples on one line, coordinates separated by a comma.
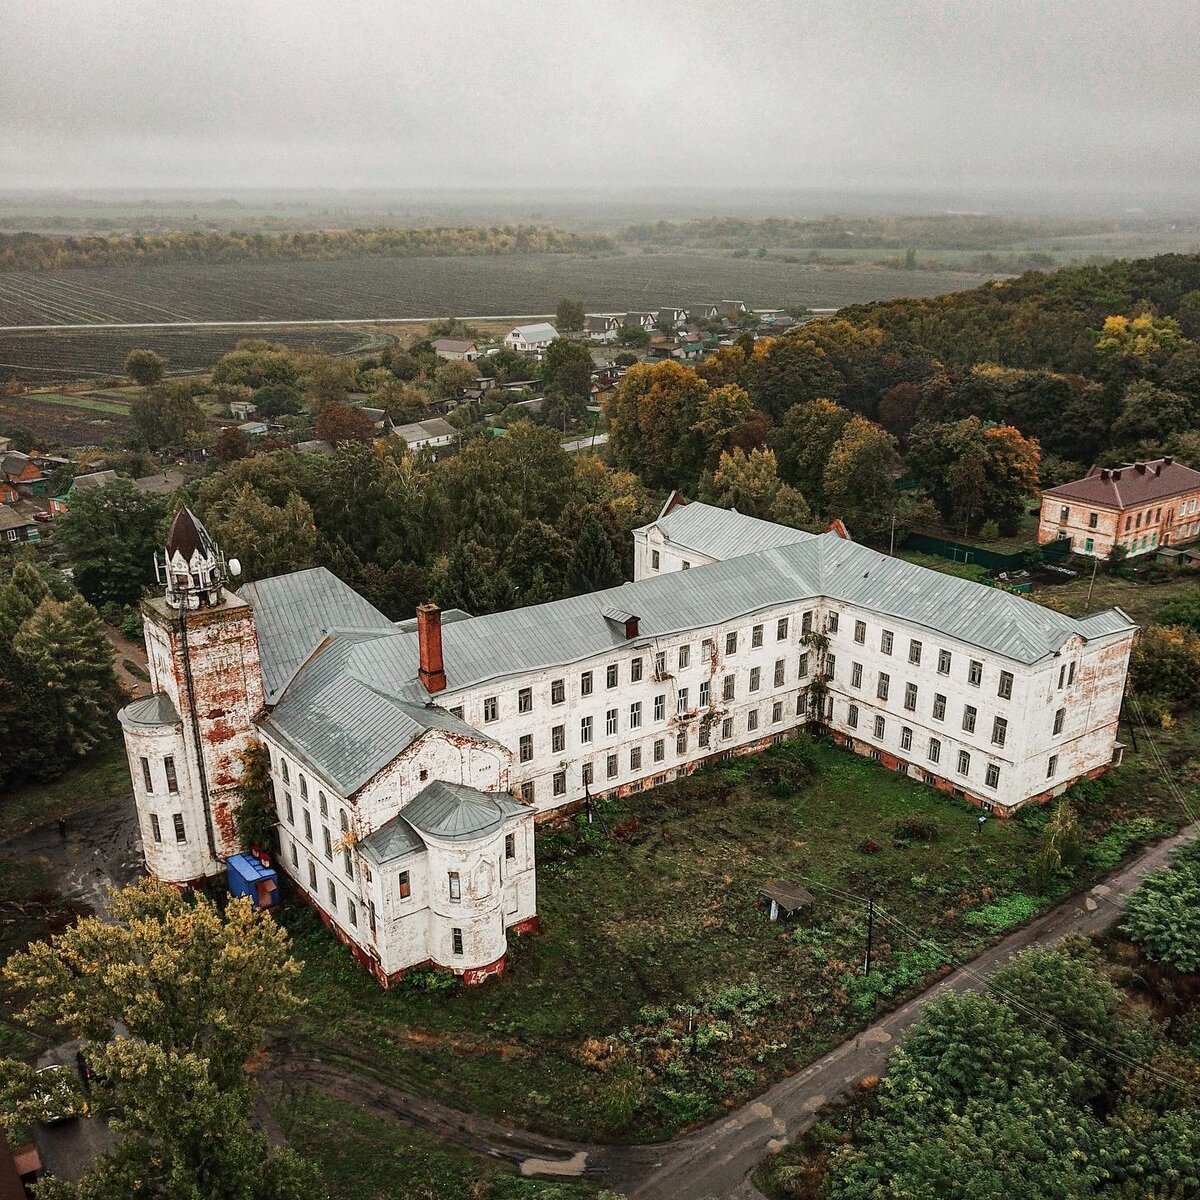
[(105, 406), (585, 1034), (362, 1156), (99, 778), (1140, 600)]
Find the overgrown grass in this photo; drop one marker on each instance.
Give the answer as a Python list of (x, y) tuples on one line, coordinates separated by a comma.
[(364, 1156), (105, 406), (98, 779), (589, 1030), (1141, 600)]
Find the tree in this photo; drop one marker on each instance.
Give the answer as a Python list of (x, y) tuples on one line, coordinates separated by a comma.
[(594, 563), (468, 579), (569, 315), (1188, 314), (750, 483), (537, 561), (257, 364), (804, 441), (726, 418), (278, 400), (267, 539), (1165, 662), (1149, 416), (110, 536), (567, 368), (232, 444), (451, 377), (145, 367), (1162, 918), (789, 370), (859, 480), (338, 422), (1061, 846), (1142, 336), (652, 420), (167, 416)]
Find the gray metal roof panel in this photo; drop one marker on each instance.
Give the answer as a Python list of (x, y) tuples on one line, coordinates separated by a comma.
[(455, 813), (393, 840), (150, 711), (723, 533)]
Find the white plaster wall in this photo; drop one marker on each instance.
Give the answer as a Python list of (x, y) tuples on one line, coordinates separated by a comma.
[(671, 556)]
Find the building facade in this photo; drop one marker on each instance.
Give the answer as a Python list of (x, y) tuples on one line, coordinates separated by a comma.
[(1140, 506)]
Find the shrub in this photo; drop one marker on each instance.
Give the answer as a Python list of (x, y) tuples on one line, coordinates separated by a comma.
[(1004, 913), (916, 829), (1162, 918)]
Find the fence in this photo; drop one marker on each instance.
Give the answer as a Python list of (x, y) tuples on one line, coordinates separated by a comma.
[(927, 543)]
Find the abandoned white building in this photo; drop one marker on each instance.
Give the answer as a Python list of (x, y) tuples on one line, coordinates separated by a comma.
[(410, 759)]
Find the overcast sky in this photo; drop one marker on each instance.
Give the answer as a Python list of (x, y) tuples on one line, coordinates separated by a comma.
[(1095, 94)]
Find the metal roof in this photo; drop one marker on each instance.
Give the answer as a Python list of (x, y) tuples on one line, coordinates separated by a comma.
[(452, 812), (722, 533), (1130, 484), (541, 332), (392, 840), (292, 613), (150, 711)]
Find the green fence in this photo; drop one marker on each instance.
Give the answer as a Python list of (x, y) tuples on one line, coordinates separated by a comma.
[(927, 543)]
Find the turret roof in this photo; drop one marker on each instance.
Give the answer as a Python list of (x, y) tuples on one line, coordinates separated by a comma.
[(188, 536)]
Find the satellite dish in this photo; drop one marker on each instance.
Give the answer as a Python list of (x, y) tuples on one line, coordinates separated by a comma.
[(235, 567)]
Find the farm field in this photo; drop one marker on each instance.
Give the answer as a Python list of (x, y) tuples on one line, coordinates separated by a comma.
[(364, 289), (48, 356)]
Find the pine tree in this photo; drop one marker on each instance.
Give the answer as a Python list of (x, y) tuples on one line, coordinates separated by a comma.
[(594, 564)]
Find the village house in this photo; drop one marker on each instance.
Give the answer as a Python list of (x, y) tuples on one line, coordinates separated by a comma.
[(602, 329), (638, 320), (409, 761), (731, 310), (671, 318), (161, 484), (433, 434), (530, 339), (455, 349), (16, 527), (699, 313), (22, 475), (1139, 506)]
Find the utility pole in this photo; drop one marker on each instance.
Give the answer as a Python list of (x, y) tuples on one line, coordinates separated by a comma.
[(892, 541), (1095, 567), (870, 934)]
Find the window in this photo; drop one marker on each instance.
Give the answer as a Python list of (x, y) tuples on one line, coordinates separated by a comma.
[(610, 675), (705, 694), (804, 665), (332, 889), (969, 715), (635, 758), (1071, 675), (1063, 513), (585, 684), (510, 846), (833, 622), (527, 791), (1051, 766), (312, 876), (910, 697), (558, 739), (687, 566), (491, 709), (685, 657), (935, 750), (1004, 691), (587, 775), (180, 832), (660, 707), (1093, 520), (756, 637), (1059, 717), (860, 631), (880, 725), (776, 712), (526, 747), (457, 711), (905, 738), (558, 691), (611, 766), (343, 823), (999, 730), (885, 641), (654, 560), (284, 768), (939, 707), (914, 652), (585, 730), (681, 742), (327, 843), (856, 674), (295, 856), (147, 780), (560, 783), (291, 813), (172, 779), (635, 715), (352, 912), (371, 916), (660, 750), (1088, 545), (156, 829), (1128, 523), (830, 664), (456, 945), (881, 689), (455, 885), (780, 670), (781, 629), (610, 722), (727, 728), (307, 827), (964, 763), (705, 733), (852, 716), (525, 700), (992, 775), (731, 643), (975, 672), (635, 670), (347, 864), (755, 678), (681, 701), (806, 624), (727, 690), (324, 803), (303, 787)]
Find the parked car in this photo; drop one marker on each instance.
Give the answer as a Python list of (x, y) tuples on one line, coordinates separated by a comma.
[(43, 516), (58, 1095)]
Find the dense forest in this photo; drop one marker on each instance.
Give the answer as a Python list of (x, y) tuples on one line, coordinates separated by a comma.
[(35, 252)]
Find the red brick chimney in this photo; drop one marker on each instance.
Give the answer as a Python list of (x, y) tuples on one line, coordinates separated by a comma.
[(429, 638)]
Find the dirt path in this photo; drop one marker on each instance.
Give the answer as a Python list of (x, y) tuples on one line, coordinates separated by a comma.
[(715, 1161), (124, 649)]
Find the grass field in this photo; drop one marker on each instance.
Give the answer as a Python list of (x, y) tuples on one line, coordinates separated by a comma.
[(87, 403), (362, 1156), (585, 1036)]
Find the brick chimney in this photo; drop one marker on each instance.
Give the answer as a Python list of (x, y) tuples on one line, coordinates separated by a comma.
[(429, 638)]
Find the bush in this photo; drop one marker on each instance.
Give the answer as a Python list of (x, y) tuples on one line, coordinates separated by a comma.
[(1004, 913), (916, 829)]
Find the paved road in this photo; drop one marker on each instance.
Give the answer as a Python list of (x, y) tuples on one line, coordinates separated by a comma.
[(585, 443), (715, 1161)]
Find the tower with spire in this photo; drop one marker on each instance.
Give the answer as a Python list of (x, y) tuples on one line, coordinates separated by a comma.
[(184, 740)]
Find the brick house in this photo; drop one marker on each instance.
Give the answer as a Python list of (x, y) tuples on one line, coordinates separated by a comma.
[(1140, 505)]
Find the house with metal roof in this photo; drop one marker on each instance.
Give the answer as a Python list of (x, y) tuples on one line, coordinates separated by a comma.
[(530, 339)]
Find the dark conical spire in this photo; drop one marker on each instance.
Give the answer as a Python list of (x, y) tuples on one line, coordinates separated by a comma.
[(188, 536)]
